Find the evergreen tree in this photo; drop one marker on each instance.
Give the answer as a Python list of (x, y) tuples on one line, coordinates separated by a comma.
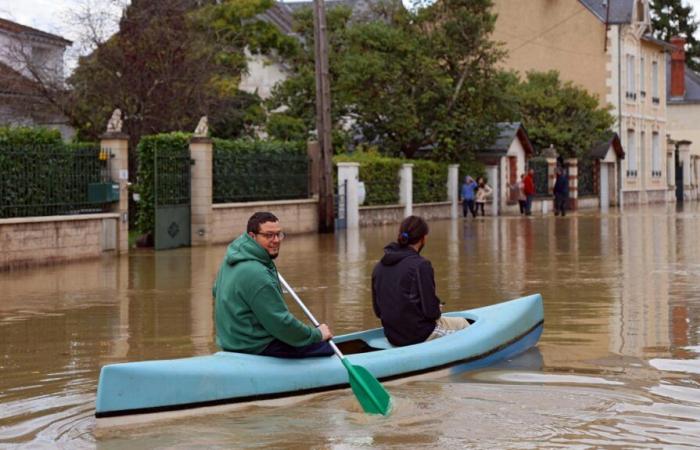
[(670, 18)]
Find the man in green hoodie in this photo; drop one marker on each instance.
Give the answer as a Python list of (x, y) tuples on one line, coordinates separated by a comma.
[(251, 315)]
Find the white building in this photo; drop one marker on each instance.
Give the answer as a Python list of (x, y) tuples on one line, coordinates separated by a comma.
[(28, 54)]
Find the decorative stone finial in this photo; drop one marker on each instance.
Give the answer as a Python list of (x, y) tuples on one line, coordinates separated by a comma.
[(202, 129), (114, 125)]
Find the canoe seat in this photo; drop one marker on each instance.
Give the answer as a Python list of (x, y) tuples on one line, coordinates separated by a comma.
[(379, 342)]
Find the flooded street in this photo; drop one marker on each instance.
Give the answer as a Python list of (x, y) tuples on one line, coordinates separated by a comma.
[(618, 363)]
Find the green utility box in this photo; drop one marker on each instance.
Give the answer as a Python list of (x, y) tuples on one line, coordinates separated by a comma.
[(103, 192)]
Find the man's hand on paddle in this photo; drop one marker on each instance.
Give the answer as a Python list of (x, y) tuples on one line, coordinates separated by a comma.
[(325, 332)]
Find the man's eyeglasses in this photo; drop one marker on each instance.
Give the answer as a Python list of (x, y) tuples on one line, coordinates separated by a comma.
[(271, 236)]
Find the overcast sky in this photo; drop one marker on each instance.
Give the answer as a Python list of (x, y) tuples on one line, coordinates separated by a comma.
[(53, 15)]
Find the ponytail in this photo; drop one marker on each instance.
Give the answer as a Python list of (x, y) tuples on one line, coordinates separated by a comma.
[(412, 230)]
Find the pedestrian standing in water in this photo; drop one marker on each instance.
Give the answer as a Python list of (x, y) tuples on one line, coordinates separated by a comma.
[(522, 198), (529, 189), (561, 192), (483, 194), (467, 196), (403, 290)]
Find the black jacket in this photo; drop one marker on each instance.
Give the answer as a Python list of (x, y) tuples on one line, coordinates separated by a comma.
[(403, 295)]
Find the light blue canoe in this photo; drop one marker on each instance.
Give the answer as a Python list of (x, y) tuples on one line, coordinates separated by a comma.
[(498, 332)]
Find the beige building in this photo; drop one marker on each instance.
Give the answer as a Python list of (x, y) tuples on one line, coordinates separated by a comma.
[(605, 47), (683, 88)]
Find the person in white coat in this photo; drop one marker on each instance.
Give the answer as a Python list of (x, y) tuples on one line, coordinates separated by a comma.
[(483, 194)]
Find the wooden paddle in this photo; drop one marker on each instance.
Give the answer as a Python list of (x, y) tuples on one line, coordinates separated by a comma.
[(372, 396)]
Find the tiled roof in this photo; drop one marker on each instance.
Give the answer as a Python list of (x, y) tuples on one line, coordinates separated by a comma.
[(620, 10), (14, 27), (280, 15), (507, 132), (600, 150)]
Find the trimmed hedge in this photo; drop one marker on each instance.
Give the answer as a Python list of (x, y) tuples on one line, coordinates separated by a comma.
[(429, 181), (381, 177), (254, 170), (168, 144)]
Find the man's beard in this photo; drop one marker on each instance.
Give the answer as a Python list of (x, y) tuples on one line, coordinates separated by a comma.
[(274, 256)]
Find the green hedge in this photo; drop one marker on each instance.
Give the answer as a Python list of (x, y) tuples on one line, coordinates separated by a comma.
[(255, 170), (171, 144), (429, 181), (381, 177), (42, 175)]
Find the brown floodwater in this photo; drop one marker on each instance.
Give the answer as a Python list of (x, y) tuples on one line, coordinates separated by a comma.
[(618, 364)]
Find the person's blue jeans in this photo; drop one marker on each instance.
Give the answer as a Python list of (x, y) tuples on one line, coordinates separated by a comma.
[(282, 350), (528, 205)]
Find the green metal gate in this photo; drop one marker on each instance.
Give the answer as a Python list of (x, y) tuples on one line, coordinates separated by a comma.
[(172, 198)]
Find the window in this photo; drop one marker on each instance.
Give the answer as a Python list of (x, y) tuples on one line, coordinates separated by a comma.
[(655, 155), (631, 155), (641, 151), (631, 91), (655, 82), (642, 78), (640, 11)]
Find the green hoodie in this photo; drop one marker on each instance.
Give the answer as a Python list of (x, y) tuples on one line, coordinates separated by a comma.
[(249, 308)]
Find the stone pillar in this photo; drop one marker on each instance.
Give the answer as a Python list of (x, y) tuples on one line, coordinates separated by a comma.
[(493, 180), (452, 186), (350, 171), (313, 151), (551, 179), (603, 186), (117, 146), (406, 189), (572, 163), (201, 190)]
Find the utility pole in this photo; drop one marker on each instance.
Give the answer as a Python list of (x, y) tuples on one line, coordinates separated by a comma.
[(323, 119)]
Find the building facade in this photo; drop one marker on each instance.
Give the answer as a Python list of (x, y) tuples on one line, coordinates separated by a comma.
[(683, 90), (28, 54), (605, 47)]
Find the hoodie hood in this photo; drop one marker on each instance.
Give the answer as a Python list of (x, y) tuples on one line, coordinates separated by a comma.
[(246, 249), (394, 253)]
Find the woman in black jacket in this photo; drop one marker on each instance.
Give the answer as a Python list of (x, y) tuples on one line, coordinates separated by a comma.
[(403, 290)]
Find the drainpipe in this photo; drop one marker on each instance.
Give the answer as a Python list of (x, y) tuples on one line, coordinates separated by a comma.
[(619, 110)]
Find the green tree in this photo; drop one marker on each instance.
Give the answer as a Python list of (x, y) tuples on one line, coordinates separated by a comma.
[(406, 80), (561, 114), (171, 62), (671, 18)]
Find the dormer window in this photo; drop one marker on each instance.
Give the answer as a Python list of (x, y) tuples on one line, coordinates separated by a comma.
[(640, 11)]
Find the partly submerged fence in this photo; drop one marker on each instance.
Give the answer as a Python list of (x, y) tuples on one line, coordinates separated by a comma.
[(50, 179)]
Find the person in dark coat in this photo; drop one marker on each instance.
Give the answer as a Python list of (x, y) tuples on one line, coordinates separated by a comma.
[(403, 290), (561, 192)]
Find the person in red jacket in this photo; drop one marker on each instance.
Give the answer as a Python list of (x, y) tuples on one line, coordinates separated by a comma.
[(529, 189)]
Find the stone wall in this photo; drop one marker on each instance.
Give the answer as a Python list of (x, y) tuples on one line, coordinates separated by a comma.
[(388, 214), (382, 214), (589, 202), (44, 240), (296, 216)]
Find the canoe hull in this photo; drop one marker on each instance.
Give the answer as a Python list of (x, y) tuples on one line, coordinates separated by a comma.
[(499, 332)]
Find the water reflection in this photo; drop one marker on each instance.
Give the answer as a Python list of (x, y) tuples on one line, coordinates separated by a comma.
[(617, 363)]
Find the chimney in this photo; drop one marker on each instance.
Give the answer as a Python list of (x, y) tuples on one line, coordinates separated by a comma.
[(678, 67)]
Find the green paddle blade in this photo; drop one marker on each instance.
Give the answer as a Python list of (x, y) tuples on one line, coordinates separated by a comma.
[(372, 396)]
